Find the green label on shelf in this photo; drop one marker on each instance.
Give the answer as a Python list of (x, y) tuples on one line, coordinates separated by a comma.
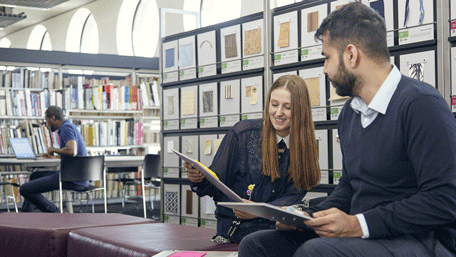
[(165, 76), (183, 220), (203, 223), (200, 70), (243, 117), (277, 57), (337, 175), (404, 34), (181, 73), (245, 62), (165, 123), (224, 65), (305, 52), (165, 170), (166, 218), (183, 171), (202, 121), (182, 122), (334, 110), (222, 119)]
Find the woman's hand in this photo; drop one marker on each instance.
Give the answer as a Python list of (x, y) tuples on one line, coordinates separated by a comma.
[(243, 215), (193, 175)]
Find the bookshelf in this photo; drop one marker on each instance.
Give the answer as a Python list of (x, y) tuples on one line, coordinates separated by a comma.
[(111, 101)]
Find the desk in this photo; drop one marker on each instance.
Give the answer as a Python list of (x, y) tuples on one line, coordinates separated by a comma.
[(110, 162)]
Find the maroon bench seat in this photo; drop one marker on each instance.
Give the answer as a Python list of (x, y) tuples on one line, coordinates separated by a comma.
[(142, 240), (46, 234)]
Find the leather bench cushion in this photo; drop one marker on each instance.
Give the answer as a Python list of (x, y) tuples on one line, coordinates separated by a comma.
[(46, 234), (142, 240)]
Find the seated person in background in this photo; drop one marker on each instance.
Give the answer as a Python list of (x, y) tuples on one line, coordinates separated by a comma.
[(271, 160), (71, 144), (397, 193)]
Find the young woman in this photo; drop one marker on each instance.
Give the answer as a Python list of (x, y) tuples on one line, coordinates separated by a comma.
[(272, 160)]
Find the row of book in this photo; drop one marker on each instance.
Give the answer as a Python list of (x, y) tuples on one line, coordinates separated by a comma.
[(26, 78), (111, 132), (39, 135), (23, 102)]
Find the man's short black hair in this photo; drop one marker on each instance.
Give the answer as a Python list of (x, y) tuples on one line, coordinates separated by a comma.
[(55, 111), (357, 24)]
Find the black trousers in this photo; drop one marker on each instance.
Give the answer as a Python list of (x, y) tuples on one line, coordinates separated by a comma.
[(269, 243)]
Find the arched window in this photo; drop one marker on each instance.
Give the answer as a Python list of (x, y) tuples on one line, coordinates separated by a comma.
[(5, 43), (138, 28), (216, 11), (39, 39), (82, 33)]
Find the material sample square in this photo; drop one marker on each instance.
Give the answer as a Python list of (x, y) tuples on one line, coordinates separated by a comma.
[(284, 35), (186, 55), (230, 46), (229, 92), (252, 42), (188, 102), (208, 101), (171, 202), (313, 84), (170, 105), (169, 58), (312, 21)]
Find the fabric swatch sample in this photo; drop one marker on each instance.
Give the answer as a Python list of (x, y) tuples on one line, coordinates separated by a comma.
[(170, 146), (248, 90), (252, 42), (207, 147), (217, 143), (188, 102), (312, 21), (416, 71), (170, 105), (171, 202), (229, 92), (169, 58), (230, 46), (189, 202), (379, 7), (185, 55), (313, 85), (188, 146), (284, 35), (253, 95), (208, 101)]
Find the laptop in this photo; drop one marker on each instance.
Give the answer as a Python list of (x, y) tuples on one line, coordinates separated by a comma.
[(210, 176), (22, 148)]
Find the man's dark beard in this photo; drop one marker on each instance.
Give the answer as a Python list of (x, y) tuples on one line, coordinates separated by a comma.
[(343, 81)]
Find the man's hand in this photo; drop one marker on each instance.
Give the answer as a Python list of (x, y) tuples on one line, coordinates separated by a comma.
[(49, 156), (335, 223), (51, 150), (243, 215), (193, 175)]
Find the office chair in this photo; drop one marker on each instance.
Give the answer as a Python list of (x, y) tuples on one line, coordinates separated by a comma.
[(12, 196), (81, 168), (151, 174)]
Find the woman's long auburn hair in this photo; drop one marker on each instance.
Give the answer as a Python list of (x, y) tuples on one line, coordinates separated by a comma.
[(304, 168)]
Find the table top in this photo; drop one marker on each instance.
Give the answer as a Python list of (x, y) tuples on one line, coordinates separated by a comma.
[(110, 161)]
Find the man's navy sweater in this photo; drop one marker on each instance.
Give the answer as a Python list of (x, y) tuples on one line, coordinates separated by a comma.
[(400, 171)]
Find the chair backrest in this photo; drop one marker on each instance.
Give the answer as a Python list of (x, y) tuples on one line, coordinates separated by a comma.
[(82, 168), (152, 166)]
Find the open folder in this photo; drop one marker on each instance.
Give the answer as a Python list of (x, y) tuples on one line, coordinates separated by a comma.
[(210, 176), (287, 216)]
